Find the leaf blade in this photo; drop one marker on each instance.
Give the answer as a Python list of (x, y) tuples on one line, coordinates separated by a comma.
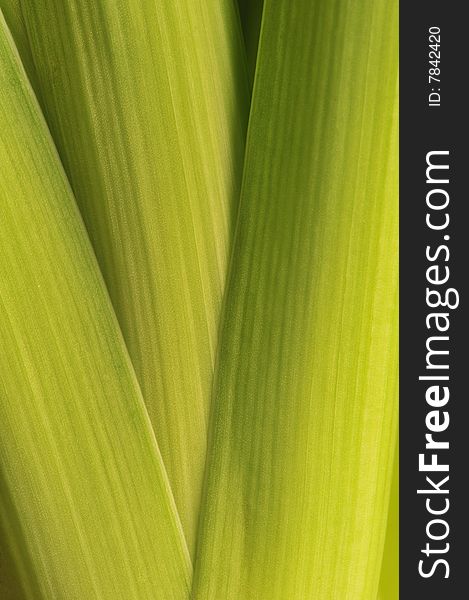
[(147, 103), (79, 463), (299, 466)]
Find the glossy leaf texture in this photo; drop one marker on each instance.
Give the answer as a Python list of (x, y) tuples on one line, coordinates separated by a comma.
[(86, 510), (305, 398)]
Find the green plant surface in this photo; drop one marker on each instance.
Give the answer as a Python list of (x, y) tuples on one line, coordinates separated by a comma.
[(85, 506), (251, 18), (13, 15), (305, 398), (10, 578), (147, 103), (389, 581), (199, 333)]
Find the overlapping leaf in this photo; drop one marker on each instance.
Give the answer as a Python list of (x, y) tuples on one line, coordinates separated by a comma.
[(147, 102), (85, 506), (304, 423)]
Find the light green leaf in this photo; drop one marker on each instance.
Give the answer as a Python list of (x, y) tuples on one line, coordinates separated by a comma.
[(305, 398), (85, 506), (147, 102), (389, 581)]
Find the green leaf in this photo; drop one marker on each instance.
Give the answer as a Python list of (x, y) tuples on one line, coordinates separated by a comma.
[(13, 15), (147, 102), (389, 581), (305, 397), (85, 506)]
